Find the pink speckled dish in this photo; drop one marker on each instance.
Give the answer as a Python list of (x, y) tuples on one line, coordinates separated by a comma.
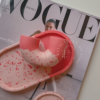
[(49, 95), (17, 74), (51, 56)]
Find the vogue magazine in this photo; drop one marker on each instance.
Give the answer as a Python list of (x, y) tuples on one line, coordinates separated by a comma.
[(31, 17)]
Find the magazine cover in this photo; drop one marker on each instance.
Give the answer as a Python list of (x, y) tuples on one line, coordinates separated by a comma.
[(31, 17)]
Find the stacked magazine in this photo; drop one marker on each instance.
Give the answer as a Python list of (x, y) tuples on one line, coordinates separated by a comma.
[(26, 17)]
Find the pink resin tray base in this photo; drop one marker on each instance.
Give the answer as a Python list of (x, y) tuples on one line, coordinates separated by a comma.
[(49, 95), (17, 74)]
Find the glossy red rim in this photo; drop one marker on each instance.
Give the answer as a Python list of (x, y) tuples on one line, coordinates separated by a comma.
[(59, 34)]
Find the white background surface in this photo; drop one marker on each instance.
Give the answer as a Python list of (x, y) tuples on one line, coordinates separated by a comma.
[(90, 89)]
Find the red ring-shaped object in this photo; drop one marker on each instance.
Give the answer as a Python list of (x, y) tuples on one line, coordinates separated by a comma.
[(65, 63)]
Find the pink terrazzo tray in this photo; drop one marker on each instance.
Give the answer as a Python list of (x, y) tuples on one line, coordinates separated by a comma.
[(17, 73), (49, 95)]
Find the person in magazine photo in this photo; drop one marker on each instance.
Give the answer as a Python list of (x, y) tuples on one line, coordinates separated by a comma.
[(49, 25)]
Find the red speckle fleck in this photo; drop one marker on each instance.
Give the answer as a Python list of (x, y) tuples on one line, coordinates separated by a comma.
[(12, 63), (41, 63), (33, 52), (0, 78), (19, 63), (37, 56), (17, 52), (22, 59), (9, 84), (16, 83), (17, 68), (51, 61), (0, 63), (5, 66), (34, 70), (8, 62), (16, 58), (46, 71), (30, 66), (10, 69), (24, 86), (12, 56), (23, 78), (31, 73)]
